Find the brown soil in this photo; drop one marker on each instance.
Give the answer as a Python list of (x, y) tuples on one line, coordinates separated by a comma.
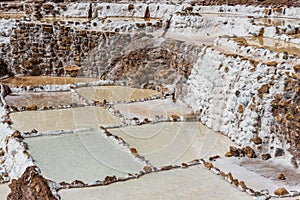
[(31, 185)]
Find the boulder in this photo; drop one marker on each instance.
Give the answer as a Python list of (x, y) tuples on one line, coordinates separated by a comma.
[(147, 169), (1, 152), (266, 156), (281, 176), (250, 152), (31, 107), (130, 7), (281, 191), (109, 179), (257, 140), (208, 165)]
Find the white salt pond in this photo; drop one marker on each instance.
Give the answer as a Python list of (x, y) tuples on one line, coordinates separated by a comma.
[(192, 183), (259, 175), (4, 191), (53, 99), (44, 80), (174, 142), (62, 119), (271, 44), (150, 109), (115, 93), (85, 156)]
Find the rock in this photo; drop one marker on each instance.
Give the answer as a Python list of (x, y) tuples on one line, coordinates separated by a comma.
[(228, 154), (147, 169), (297, 68), (147, 13), (235, 182), (133, 151), (266, 156), (109, 179), (278, 152), (184, 165), (264, 89), (26, 146), (250, 152), (78, 183), (241, 108), (234, 151), (4, 69), (175, 118), (243, 185), (213, 158), (17, 134), (281, 177), (271, 63), (146, 121), (31, 185), (208, 165), (130, 7), (31, 107), (229, 177), (167, 167), (2, 152), (72, 70), (281, 191), (222, 174), (257, 140)]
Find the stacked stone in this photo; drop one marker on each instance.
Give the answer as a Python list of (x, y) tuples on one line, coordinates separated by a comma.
[(286, 110), (46, 49)]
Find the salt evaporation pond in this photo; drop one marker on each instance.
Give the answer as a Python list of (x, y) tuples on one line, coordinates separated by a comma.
[(62, 119), (53, 99), (85, 156), (151, 109), (4, 191), (174, 142), (43, 80), (115, 93), (271, 44), (192, 183)]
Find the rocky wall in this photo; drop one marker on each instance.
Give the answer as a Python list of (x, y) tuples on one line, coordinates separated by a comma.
[(239, 97), (53, 49)]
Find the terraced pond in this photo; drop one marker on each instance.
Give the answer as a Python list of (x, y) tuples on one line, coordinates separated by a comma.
[(234, 69)]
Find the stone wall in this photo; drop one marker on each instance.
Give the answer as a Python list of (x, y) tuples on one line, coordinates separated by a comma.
[(46, 49), (248, 99)]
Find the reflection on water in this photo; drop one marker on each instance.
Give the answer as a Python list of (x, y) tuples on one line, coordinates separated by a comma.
[(271, 44), (275, 21)]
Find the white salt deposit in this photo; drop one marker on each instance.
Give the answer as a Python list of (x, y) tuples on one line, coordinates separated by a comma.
[(86, 156), (192, 183), (63, 119), (150, 109), (115, 93), (174, 143)]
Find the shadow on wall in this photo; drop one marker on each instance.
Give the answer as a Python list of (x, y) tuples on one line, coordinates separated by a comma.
[(4, 72)]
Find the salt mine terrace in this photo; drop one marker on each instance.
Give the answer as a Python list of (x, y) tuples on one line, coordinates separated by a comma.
[(146, 100)]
